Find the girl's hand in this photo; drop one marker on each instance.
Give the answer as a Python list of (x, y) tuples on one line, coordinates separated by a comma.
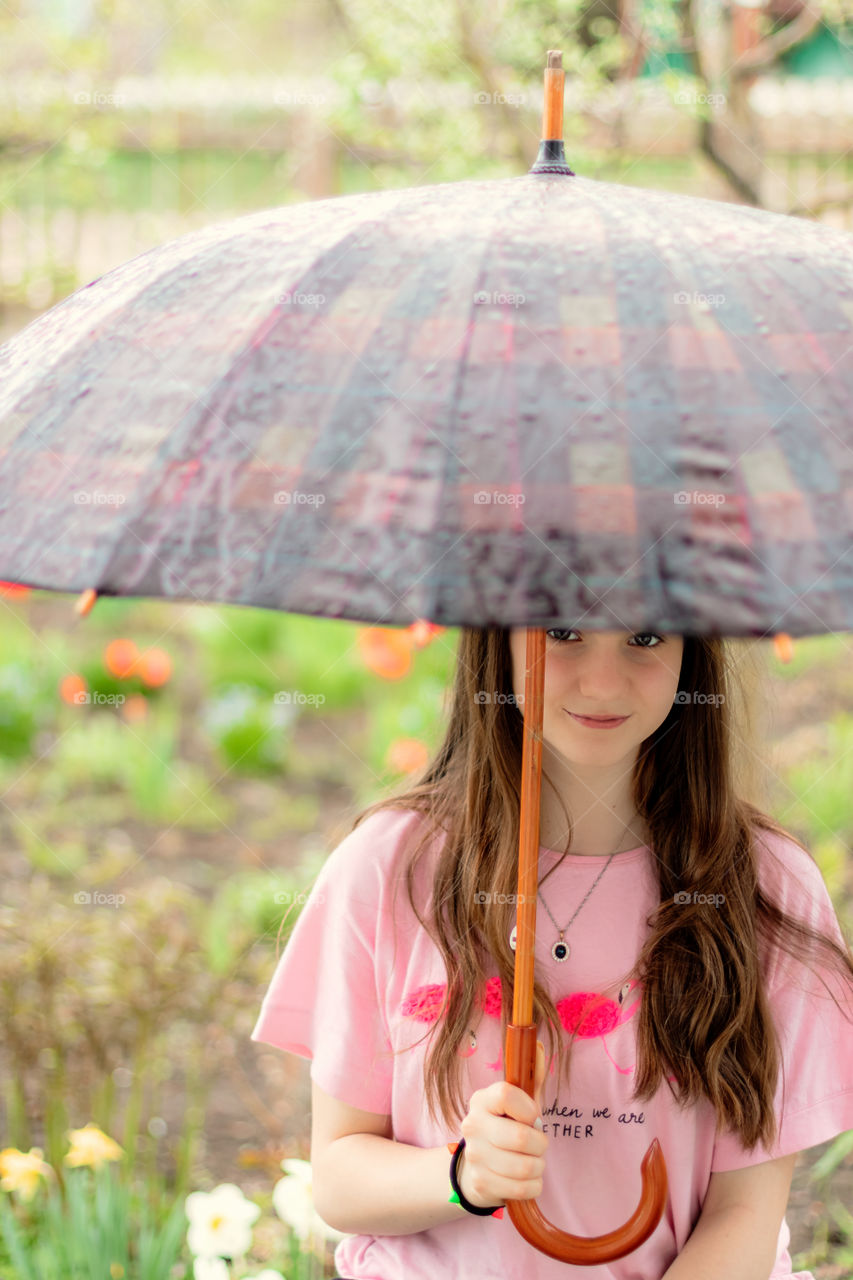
[(504, 1155)]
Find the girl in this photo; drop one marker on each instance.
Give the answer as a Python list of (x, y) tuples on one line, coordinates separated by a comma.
[(692, 982)]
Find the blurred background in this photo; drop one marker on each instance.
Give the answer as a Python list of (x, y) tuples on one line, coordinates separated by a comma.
[(172, 776)]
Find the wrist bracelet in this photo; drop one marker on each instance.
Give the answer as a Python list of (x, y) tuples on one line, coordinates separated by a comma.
[(456, 1196)]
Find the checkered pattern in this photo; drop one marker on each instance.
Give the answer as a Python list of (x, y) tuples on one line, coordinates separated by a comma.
[(542, 400)]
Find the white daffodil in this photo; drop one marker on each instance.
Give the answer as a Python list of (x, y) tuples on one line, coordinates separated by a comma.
[(220, 1222), (293, 1201), (210, 1269)]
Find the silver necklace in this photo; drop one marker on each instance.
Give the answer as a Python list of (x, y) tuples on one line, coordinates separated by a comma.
[(561, 950)]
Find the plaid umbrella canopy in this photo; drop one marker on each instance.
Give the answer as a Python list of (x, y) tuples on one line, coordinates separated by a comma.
[(525, 402)]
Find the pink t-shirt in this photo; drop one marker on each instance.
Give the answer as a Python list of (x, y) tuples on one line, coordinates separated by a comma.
[(343, 994)]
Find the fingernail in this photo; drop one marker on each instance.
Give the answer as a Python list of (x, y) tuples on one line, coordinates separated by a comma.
[(537, 1123)]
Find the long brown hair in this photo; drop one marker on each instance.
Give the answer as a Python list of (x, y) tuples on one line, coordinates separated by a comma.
[(724, 1046)]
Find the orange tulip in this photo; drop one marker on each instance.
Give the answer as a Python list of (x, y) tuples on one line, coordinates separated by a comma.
[(135, 708), (13, 589), (422, 632), (73, 690), (154, 667), (407, 755), (783, 646), (120, 658), (386, 652)]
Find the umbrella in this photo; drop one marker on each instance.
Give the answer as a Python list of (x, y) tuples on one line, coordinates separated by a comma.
[(505, 403)]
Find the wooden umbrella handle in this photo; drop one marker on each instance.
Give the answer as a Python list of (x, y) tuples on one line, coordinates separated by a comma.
[(526, 1215)]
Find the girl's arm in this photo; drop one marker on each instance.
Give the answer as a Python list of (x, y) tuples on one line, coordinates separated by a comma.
[(364, 1181), (738, 1228)]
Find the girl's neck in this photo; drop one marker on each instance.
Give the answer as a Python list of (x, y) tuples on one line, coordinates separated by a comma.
[(599, 830)]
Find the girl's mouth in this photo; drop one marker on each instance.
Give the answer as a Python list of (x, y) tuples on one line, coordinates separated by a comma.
[(599, 722)]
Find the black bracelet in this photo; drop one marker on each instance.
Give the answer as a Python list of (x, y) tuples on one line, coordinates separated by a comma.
[(466, 1204)]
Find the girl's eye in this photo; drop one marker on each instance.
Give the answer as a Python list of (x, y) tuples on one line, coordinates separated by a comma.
[(560, 636)]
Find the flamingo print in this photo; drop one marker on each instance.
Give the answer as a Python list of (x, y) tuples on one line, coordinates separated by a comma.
[(585, 1014)]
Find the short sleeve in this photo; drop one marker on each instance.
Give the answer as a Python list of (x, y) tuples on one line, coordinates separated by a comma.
[(323, 1002), (814, 1095)]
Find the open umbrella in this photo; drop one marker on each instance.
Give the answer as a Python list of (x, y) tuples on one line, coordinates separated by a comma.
[(507, 403)]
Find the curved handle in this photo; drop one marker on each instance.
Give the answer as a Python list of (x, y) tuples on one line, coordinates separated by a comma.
[(527, 1217)]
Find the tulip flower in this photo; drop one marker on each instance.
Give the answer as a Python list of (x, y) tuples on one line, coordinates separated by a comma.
[(90, 1145), (293, 1201), (21, 1170), (407, 755), (120, 657), (73, 690), (220, 1222), (154, 667), (386, 652), (784, 646)]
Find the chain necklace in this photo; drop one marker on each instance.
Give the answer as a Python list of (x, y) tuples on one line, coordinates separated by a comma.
[(561, 950)]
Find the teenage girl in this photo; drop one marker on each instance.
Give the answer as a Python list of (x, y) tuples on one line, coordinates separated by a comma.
[(693, 982)]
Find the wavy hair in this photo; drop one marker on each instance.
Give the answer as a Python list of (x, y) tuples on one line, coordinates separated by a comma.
[(724, 1047)]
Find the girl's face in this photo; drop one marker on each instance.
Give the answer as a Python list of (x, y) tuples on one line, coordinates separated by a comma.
[(602, 673)]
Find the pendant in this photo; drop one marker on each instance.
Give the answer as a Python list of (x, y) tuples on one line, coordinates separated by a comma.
[(560, 950)]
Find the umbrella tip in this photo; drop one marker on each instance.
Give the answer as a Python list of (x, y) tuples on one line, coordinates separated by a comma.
[(85, 601), (552, 155)]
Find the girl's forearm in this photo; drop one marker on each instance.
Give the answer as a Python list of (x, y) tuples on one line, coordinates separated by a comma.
[(730, 1243), (376, 1186)]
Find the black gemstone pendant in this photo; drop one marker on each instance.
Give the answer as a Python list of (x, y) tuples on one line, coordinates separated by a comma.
[(560, 950)]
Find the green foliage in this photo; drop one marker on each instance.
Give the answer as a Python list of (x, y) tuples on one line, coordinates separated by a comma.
[(822, 803), (100, 1228)]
